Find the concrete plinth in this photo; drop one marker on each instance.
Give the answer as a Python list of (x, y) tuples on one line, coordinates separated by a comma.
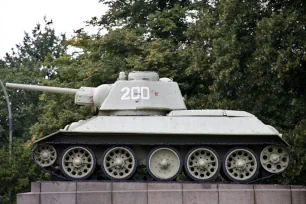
[(236, 193), (33, 198), (298, 194), (160, 193), (94, 193), (273, 194), (165, 193), (137, 193), (200, 193)]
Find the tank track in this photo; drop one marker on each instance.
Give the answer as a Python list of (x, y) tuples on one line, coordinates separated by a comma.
[(53, 172), (225, 182)]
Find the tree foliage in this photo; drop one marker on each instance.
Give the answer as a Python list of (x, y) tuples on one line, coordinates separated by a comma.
[(24, 64), (36, 47), (246, 55), (16, 177), (227, 54)]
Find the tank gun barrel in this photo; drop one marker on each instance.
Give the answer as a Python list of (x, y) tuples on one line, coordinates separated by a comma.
[(42, 88), (83, 95)]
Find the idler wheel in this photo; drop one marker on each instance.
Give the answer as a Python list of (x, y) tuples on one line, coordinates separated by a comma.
[(164, 163), (202, 164), (78, 163), (119, 163), (44, 155), (240, 164), (274, 158)]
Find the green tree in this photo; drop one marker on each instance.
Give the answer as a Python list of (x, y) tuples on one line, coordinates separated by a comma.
[(149, 37), (17, 176), (36, 47), (253, 57), (24, 65), (225, 54)]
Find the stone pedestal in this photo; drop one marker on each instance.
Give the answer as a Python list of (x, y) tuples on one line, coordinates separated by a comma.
[(159, 193)]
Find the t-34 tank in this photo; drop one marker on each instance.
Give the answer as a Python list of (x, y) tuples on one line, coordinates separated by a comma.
[(143, 120)]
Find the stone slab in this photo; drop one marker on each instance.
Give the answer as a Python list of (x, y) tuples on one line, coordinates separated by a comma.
[(94, 192), (58, 186), (272, 194), (298, 194), (165, 193), (200, 194), (160, 193), (28, 198), (130, 193), (236, 193), (94, 186), (35, 187), (58, 198)]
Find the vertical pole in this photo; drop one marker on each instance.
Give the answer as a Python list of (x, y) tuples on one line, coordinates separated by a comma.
[(10, 120)]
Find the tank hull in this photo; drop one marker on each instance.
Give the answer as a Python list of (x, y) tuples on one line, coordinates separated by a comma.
[(177, 134), (160, 139)]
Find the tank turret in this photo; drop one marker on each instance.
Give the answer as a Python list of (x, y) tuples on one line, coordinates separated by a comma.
[(143, 93), (143, 121)]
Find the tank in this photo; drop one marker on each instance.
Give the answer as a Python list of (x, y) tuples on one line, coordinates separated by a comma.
[(143, 124)]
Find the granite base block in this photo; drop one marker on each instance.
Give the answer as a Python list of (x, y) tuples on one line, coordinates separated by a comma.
[(236, 193), (160, 193), (94, 193), (165, 193), (28, 198), (200, 194), (130, 193), (272, 194)]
